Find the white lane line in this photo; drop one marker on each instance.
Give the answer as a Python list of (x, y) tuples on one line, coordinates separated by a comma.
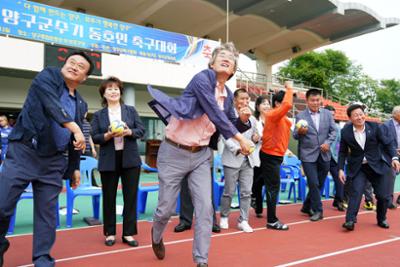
[(339, 252), (184, 240), (147, 221)]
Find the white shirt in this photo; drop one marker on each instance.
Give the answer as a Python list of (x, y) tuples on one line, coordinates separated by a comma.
[(315, 116), (116, 115), (360, 137)]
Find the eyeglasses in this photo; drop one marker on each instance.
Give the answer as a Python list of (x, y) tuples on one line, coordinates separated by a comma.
[(226, 55), (79, 66)]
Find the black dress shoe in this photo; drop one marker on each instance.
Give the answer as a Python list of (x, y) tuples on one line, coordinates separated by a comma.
[(216, 228), (278, 226), (202, 264), (398, 200), (109, 242), (132, 243), (392, 206), (383, 224), (181, 227), (309, 212), (3, 248), (316, 217), (158, 248), (340, 206), (348, 225), (253, 203)]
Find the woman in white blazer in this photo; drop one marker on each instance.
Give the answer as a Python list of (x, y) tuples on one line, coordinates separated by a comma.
[(262, 103)]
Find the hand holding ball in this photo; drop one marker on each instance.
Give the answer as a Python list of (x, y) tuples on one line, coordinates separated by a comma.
[(302, 124), (117, 127), (302, 127), (252, 149)]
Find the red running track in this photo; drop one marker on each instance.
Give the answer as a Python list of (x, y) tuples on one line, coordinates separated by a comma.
[(322, 243)]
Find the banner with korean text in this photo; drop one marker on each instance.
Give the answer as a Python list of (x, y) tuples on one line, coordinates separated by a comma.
[(34, 21)]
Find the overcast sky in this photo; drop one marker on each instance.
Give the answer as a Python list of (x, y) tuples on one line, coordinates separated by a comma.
[(377, 52)]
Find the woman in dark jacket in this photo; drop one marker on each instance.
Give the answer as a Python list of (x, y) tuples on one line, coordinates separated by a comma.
[(118, 157)]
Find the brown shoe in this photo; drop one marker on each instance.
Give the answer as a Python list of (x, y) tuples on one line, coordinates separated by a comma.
[(158, 248)]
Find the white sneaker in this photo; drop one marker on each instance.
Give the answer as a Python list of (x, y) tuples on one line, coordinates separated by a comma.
[(245, 227), (223, 223)]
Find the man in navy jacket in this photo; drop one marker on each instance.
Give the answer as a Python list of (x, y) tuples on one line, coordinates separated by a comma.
[(45, 146), (361, 145)]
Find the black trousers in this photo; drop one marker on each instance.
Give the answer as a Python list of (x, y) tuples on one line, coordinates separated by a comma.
[(130, 183), (270, 172), (339, 187), (380, 185), (316, 173), (258, 183)]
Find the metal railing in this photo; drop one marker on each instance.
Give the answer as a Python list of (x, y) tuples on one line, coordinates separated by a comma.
[(258, 83)]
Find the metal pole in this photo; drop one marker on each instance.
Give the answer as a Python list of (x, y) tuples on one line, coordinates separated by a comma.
[(227, 20)]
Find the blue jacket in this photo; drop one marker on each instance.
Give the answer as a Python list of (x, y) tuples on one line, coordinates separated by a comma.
[(199, 98), (100, 124), (42, 106), (335, 145), (389, 131), (374, 144)]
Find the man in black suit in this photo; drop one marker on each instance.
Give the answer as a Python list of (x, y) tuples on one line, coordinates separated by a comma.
[(45, 146), (361, 145), (391, 129)]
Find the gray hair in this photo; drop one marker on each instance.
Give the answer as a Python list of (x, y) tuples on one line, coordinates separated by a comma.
[(396, 110), (227, 47)]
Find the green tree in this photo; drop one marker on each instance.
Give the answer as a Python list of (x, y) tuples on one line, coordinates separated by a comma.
[(355, 86), (388, 95), (318, 69), (333, 72)]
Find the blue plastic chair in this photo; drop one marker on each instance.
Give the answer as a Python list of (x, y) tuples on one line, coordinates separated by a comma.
[(218, 181), (28, 194), (287, 177), (87, 165), (147, 168), (144, 190), (295, 164), (325, 191)]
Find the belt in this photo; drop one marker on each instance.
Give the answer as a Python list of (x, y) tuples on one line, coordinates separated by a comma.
[(192, 149)]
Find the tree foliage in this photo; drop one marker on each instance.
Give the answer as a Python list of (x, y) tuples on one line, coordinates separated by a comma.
[(355, 86), (388, 95), (342, 80), (318, 69)]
